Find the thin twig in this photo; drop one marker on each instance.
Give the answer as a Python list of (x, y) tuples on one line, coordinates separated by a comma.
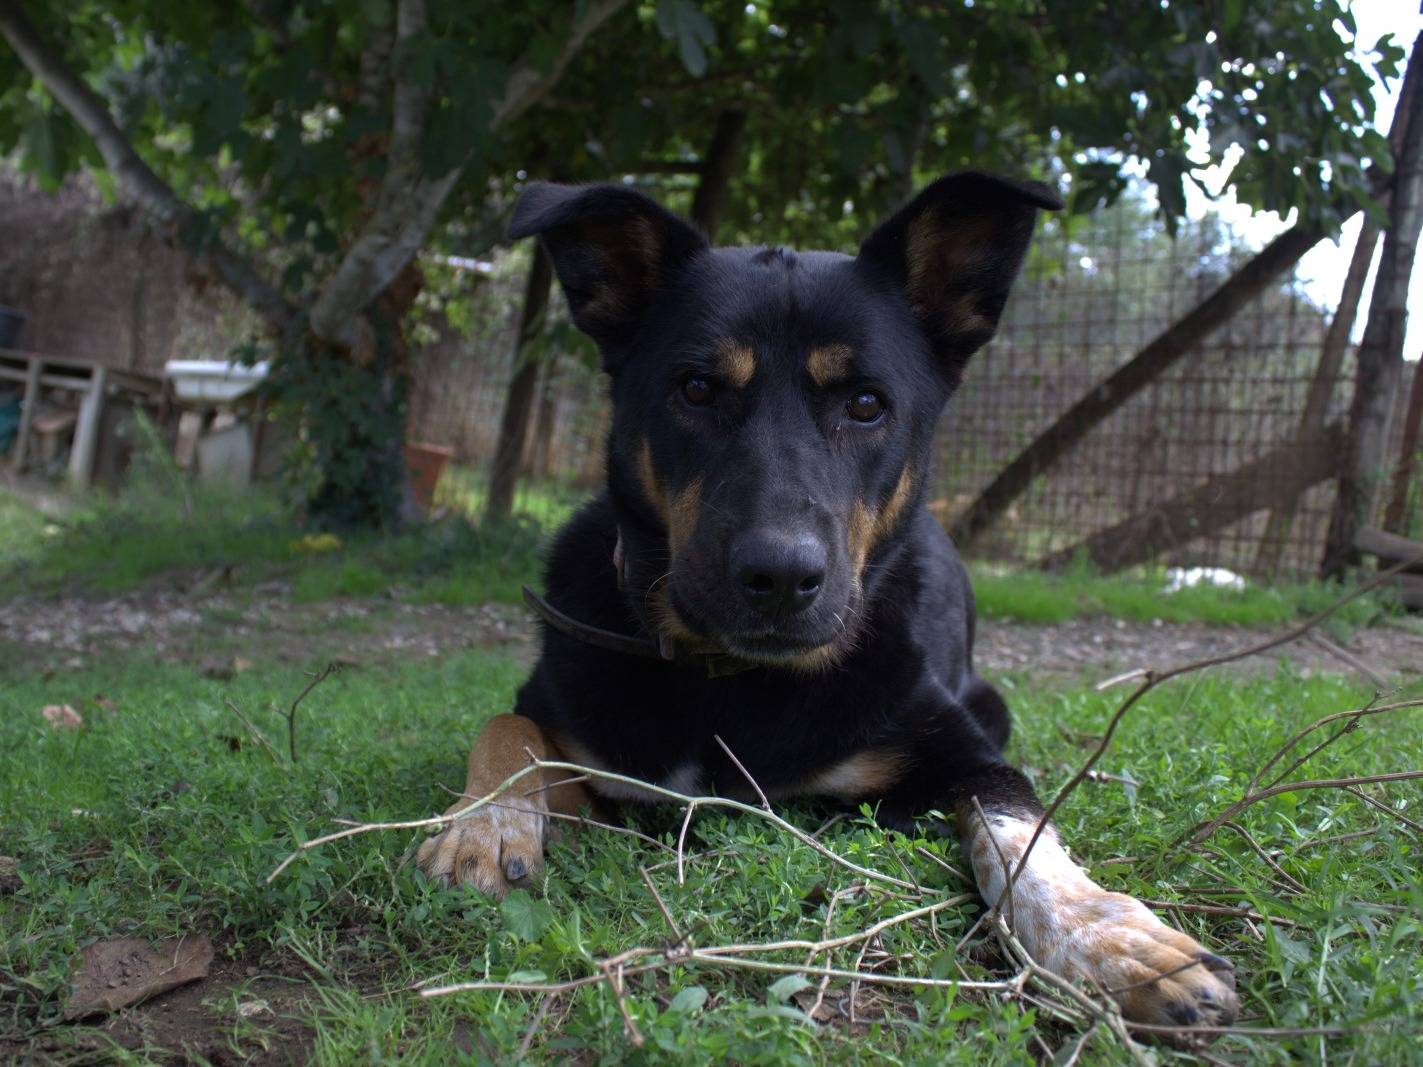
[(1381, 806), (253, 731), (594, 772), (744, 772), (661, 905), (539, 1016), (1152, 679), (290, 714), (1202, 830)]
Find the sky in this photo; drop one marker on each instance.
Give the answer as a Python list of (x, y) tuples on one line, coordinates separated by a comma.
[(1323, 268)]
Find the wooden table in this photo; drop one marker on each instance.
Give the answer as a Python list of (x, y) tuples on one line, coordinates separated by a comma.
[(92, 381)]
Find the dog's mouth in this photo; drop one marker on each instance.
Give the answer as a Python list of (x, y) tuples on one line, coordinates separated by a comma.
[(771, 644)]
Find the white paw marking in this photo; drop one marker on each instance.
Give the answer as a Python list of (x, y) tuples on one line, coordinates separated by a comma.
[(1075, 928)]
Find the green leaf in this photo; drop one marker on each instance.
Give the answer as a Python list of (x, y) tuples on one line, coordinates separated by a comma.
[(785, 988), (525, 917), (691, 999), (683, 21)]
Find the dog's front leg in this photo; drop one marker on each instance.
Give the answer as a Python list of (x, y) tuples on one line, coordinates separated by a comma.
[(1075, 928), (500, 846)]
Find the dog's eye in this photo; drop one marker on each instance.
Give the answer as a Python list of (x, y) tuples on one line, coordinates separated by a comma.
[(698, 392), (865, 407)]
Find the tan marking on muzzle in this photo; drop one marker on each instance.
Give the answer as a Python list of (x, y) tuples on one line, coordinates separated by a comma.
[(683, 516), (828, 364), (735, 362), (868, 526), (651, 487)]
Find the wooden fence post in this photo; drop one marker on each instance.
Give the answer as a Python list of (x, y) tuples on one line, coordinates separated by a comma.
[(28, 403)]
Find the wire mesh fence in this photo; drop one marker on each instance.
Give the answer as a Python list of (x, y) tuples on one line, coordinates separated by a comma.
[(1095, 292)]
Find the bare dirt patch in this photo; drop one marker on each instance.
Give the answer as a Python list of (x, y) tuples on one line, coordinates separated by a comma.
[(265, 624), (236, 1015), (262, 624), (1099, 648)]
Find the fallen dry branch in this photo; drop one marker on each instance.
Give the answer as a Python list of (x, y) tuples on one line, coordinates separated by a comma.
[(1152, 679), (1204, 829), (691, 803), (876, 967)]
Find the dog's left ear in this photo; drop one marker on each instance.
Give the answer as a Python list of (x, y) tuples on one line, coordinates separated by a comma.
[(612, 248), (954, 251)]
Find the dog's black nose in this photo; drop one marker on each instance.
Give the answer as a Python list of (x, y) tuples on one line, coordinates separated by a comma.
[(779, 574)]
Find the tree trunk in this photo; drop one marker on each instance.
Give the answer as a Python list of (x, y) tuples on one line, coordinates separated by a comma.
[(350, 340), (1211, 507), (1380, 360), (1321, 387), (518, 402), (1145, 367), (540, 460), (1396, 518), (1341, 328), (709, 201)]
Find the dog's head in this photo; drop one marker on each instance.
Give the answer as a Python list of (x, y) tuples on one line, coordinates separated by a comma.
[(773, 411)]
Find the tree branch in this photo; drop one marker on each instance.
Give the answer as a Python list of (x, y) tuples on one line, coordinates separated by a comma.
[(409, 202), (146, 188)]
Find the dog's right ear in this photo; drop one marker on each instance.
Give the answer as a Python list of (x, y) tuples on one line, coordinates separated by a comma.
[(612, 248)]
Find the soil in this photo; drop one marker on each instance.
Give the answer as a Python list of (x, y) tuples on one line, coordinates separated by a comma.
[(261, 625), (238, 1014), (265, 624)]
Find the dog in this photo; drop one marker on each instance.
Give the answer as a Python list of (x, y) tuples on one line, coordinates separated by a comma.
[(761, 568)]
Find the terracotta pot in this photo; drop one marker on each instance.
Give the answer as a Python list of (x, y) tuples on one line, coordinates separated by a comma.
[(426, 463)]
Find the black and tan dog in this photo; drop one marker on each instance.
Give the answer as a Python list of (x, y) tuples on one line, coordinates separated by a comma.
[(761, 567)]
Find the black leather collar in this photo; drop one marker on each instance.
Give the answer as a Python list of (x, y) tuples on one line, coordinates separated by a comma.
[(716, 664)]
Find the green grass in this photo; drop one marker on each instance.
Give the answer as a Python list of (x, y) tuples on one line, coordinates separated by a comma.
[(161, 817), (23, 530), (156, 531), (161, 529), (1032, 596)]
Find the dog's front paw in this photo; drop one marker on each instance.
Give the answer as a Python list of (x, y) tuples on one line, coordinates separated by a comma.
[(1155, 974), (495, 848)]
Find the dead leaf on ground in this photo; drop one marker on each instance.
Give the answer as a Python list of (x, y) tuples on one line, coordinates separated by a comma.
[(126, 970), (62, 717)]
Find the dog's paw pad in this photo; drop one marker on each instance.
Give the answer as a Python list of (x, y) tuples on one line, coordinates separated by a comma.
[(494, 849)]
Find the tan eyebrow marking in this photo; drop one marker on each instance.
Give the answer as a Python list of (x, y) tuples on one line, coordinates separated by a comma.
[(735, 362), (828, 364)]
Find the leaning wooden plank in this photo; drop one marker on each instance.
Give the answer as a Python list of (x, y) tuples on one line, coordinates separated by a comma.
[(1389, 547), (86, 433), (1210, 507)]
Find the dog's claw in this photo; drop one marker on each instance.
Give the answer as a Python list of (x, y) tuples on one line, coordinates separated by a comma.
[(495, 849)]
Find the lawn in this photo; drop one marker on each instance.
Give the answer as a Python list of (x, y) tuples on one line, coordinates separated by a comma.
[(162, 816), (172, 531)]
